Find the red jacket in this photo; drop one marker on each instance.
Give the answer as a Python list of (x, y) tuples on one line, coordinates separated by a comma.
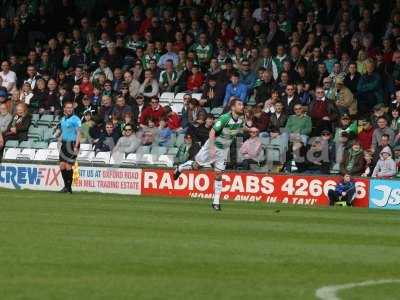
[(148, 112), (174, 121), (195, 81), (87, 89), (365, 138)]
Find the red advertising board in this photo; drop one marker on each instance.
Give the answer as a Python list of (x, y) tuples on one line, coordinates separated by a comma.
[(252, 187)]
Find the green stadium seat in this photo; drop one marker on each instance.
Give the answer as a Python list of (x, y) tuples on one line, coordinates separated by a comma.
[(40, 145), (158, 150), (35, 132), (180, 139), (217, 111), (172, 151), (26, 144), (12, 144), (46, 120), (35, 119)]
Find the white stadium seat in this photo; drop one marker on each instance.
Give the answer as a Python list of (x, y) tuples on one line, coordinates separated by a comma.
[(177, 107), (53, 154), (53, 145), (101, 157), (197, 96), (179, 97), (85, 156), (166, 98), (11, 153), (131, 159), (167, 160), (27, 154), (86, 147), (42, 154)]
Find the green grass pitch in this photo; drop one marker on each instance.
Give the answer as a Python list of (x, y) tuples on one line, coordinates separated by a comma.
[(96, 246)]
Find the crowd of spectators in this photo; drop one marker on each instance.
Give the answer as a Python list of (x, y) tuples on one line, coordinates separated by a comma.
[(320, 77)]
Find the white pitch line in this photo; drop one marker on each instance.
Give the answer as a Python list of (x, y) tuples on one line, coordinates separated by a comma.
[(329, 292)]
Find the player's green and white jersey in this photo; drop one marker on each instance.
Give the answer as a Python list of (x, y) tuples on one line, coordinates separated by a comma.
[(226, 129)]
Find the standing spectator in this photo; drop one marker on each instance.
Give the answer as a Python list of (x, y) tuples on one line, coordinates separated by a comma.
[(365, 135)]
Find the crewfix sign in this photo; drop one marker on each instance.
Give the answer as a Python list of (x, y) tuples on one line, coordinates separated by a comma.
[(290, 189)]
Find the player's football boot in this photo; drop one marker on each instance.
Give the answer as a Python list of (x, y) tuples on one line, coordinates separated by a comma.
[(216, 207), (64, 190)]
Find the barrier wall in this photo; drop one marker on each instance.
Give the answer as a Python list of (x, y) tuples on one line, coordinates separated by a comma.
[(237, 186)]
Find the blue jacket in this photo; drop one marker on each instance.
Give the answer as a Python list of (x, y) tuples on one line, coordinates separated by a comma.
[(248, 79), (348, 187), (240, 91)]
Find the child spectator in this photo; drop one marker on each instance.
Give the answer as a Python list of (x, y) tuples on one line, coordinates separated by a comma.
[(165, 133), (386, 166)]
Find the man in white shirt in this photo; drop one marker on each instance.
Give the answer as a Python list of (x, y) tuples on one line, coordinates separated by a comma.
[(9, 77)]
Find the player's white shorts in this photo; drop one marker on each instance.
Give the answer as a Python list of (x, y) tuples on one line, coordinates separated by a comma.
[(206, 157)]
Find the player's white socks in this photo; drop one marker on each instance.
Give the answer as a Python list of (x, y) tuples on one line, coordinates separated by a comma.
[(186, 166), (217, 191)]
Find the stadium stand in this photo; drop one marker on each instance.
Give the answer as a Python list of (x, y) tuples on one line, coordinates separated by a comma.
[(339, 61)]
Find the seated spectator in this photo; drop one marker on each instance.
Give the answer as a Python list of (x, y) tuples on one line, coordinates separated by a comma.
[(344, 191), (108, 139), (290, 99), (269, 105), (316, 160), (127, 143), (353, 162), (39, 96), (18, 128), (106, 108), (188, 150), (155, 111), (193, 111), (379, 110), (386, 166), (86, 86), (251, 149), (5, 118), (9, 78), (195, 81), (368, 164), (173, 119), (86, 125), (299, 124), (365, 135), (168, 78), (382, 129), (149, 88), (235, 89), (97, 130), (279, 118), (164, 133), (213, 93), (147, 138), (260, 118), (26, 94), (344, 99), (121, 108)]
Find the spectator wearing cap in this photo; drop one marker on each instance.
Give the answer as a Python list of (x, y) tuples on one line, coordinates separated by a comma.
[(364, 137), (155, 111), (344, 99), (235, 89), (353, 162)]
